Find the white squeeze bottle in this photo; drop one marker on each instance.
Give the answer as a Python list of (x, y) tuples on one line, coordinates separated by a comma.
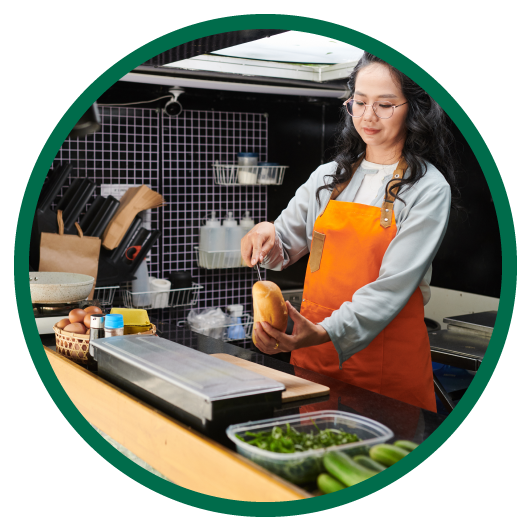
[(232, 241), (246, 224), (211, 240)]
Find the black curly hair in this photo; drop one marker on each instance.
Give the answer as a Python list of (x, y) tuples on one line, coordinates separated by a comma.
[(428, 136)]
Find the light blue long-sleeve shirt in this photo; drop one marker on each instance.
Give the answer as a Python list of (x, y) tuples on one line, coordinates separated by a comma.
[(421, 225)]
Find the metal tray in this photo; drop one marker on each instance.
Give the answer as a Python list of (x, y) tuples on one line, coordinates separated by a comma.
[(458, 349), (482, 322), (202, 391)]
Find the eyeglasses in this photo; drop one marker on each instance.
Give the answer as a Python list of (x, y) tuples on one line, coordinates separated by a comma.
[(357, 108)]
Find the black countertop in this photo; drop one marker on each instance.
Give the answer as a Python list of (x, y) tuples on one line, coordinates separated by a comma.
[(406, 421)]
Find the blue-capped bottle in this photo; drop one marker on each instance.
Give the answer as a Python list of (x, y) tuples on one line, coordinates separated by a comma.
[(113, 325), (235, 329)]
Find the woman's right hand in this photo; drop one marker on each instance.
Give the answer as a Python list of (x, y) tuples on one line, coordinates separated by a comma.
[(257, 243)]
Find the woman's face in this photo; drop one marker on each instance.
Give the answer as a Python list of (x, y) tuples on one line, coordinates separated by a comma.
[(374, 83)]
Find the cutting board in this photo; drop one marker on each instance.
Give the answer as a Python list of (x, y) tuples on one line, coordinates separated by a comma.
[(295, 387)]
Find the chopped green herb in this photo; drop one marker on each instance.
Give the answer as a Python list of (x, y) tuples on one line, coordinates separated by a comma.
[(291, 441)]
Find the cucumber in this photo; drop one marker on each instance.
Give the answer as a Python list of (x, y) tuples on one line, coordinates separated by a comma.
[(405, 444), (342, 467), (327, 484), (367, 462), (387, 454)]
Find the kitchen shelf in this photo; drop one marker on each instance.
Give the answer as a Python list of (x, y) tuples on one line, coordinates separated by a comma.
[(161, 299), (223, 332), (235, 175), (219, 259), (105, 295)]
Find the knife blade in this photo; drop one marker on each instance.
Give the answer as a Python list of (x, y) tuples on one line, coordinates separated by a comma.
[(257, 270)]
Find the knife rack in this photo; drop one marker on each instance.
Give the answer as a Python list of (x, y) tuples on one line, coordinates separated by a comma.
[(115, 266)]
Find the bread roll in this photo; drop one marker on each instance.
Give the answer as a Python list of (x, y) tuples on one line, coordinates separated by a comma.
[(269, 306)]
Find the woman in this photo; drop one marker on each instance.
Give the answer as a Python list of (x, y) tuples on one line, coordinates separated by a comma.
[(374, 219)]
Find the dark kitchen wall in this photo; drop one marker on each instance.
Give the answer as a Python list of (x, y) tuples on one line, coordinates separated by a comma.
[(294, 139), (174, 156), (301, 133), (469, 259)]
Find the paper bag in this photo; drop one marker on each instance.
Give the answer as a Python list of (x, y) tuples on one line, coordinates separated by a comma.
[(68, 253), (134, 201)]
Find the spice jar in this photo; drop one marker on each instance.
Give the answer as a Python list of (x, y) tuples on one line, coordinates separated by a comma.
[(97, 331), (113, 325)]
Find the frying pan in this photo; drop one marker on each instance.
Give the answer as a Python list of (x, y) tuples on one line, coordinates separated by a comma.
[(59, 287)]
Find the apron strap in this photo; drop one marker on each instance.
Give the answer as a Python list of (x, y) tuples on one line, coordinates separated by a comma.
[(388, 202), (339, 188)]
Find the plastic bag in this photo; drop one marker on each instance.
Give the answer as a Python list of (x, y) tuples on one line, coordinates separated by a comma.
[(208, 322)]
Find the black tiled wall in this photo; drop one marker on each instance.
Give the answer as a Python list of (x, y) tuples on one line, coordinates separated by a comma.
[(174, 156)]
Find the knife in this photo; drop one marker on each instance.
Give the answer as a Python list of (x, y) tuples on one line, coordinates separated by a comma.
[(257, 270), (104, 215), (56, 181), (91, 213), (78, 202)]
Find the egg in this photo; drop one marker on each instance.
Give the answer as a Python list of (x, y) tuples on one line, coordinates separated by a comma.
[(62, 323), (76, 327), (86, 321), (76, 315), (92, 309)]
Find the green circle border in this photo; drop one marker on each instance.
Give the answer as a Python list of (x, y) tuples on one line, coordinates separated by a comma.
[(245, 22)]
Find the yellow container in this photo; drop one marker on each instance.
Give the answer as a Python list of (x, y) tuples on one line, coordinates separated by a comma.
[(133, 317)]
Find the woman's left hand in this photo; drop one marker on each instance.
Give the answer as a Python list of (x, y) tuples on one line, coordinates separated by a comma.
[(305, 333)]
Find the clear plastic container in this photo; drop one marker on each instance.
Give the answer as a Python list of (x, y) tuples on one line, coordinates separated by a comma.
[(247, 159), (267, 172), (248, 175), (303, 467)]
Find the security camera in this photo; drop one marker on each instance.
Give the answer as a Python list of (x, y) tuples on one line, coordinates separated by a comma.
[(173, 107)]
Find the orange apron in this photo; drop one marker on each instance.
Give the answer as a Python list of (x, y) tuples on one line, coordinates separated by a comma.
[(347, 249)]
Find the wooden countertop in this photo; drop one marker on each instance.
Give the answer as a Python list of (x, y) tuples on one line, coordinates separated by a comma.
[(183, 455)]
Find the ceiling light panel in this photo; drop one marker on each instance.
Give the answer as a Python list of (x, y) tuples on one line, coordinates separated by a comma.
[(295, 47)]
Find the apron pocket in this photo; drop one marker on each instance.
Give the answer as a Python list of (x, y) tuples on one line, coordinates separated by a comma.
[(317, 247), (315, 312)]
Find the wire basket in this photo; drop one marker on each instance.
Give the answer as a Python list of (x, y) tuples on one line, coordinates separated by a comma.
[(219, 259), (161, 299), (105, 295), (226, 333), (235, 175)]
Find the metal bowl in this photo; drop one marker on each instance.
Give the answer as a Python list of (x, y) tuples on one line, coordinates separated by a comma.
[(59, 287)]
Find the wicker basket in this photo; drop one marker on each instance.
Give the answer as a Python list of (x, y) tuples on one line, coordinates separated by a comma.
[(75, 347), (72, 346)]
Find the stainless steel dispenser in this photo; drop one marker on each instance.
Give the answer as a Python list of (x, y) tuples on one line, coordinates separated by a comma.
[(204, 392)]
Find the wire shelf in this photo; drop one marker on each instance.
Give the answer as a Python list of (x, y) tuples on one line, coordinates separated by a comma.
[(161, 299), (105, 295), (226, 333), (219, 259), (235, 175)]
